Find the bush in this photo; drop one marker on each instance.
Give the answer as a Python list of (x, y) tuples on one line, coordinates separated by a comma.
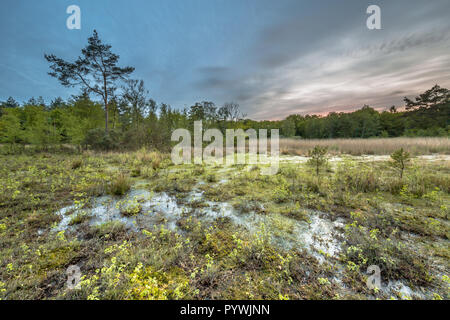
[(400, 159), (394, 185), (79, 218), (317, 158), (136, 172), (358, 179), (98, 139), (112, 230), (120, 185), (365, 246), (77, 163), (154, 158), (281, 193), (129, 207)]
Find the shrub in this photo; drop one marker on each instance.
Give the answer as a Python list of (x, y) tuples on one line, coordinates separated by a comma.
[(400, 159), (79, 218), (156, 163), (211, 178), (76, 164), (98, 139), (112, 230), (394, 185), (358, 179), (317, 158), (120, 185), (136, 172), (129, 207), (365, 246), (281, 193), (154, 158), (147, 172)]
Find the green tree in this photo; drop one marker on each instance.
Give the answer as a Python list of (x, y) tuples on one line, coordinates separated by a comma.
[(96, 71), (368, 121), (56, 103), (38, 128), (82, 115), (435, 95), (10, 103), (317, 158), (135, 102), (288, 127), (400, 159), (10, 126)]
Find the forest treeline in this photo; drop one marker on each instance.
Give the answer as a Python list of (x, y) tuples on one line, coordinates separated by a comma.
[(138, 121), (114, 111)]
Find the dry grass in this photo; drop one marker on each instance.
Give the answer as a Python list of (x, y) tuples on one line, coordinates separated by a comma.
[(379, 146), (120, 185), (154, 158)]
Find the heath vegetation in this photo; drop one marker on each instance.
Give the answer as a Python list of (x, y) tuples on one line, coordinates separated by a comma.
[(91, 183), (239, 234)]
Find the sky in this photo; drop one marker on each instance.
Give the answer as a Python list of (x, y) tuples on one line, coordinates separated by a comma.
[(273, 58)]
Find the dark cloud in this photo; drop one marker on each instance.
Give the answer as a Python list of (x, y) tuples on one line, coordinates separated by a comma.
[(272, 57), (326, 62), (213, 77)]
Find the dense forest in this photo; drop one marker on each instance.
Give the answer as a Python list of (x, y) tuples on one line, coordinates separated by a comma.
[(136, 121), (125, 116)]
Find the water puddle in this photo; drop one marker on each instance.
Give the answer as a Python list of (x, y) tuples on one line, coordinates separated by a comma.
[(401, 290), (148, 209), (140, 209), (320, 237)]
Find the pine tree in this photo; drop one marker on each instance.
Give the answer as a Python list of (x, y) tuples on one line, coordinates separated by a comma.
[(96, 71)]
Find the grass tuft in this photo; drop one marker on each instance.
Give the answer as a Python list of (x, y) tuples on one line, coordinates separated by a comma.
[(120, 185)]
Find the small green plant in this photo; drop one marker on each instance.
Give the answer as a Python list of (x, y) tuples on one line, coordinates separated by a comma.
[(136, 172), (79, 218), (147, 172), (77, 163), (129, 207), (317, 158), (156, 159), (281, 194), (211, 178), (323, 281), (400, 159)]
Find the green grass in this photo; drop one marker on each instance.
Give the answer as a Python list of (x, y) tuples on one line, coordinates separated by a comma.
[(400, 225)]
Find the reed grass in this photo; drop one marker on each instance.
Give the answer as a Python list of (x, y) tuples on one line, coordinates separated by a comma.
[(376, 146)]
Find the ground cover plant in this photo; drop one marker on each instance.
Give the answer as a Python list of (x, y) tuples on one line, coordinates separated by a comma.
[(207, 231)]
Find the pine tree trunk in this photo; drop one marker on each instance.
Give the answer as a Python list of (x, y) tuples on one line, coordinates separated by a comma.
[(106, 103), (106, 114)]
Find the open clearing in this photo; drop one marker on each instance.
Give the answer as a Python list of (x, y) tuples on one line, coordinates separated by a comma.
[(141, 228)]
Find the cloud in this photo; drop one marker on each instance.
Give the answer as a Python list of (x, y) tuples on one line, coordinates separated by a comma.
[(290, 71), (274, 58)]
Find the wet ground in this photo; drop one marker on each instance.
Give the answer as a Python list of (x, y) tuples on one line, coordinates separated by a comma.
[(321, 237), (160, 209), (301, 159)]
